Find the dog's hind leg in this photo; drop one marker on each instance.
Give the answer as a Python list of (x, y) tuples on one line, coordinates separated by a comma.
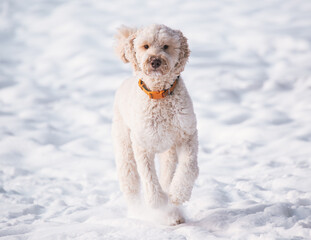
[(153, 193), (168, 161), (126, 165)]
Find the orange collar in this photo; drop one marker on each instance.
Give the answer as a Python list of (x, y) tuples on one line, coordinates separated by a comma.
[(157, 94)]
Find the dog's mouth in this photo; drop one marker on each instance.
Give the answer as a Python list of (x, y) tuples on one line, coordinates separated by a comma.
[(156, 66)]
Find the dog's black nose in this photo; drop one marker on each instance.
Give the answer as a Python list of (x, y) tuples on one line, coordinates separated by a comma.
[(155, 63)]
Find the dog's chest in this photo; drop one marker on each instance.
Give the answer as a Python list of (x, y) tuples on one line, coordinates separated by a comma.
[(159, 128)]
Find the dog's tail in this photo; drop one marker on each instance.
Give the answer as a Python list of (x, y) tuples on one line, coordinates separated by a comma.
[(121, 39)]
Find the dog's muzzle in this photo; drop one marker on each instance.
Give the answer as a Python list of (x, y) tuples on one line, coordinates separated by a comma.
[(155, 63)]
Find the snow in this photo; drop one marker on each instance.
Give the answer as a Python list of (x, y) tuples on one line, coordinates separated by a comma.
[(250, 79)]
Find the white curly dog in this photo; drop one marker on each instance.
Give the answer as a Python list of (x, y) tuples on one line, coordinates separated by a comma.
[(153, 114)]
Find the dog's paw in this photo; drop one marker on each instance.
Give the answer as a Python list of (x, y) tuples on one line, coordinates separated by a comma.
[(174, 216), (168, 215)]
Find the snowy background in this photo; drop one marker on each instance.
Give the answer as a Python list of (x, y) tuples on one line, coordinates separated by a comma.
[(250, 79)]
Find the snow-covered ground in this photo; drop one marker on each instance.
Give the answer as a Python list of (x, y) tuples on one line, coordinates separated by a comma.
[(250, 79)]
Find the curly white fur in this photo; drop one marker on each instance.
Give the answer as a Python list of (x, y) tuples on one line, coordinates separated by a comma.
[(143, 127)]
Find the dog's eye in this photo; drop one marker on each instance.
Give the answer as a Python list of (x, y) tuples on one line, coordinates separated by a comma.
[(165, 47), (146, 46)]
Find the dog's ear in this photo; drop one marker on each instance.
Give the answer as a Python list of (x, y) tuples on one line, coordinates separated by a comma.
[(125, 45), (183, 55), (130, 52), (121, 40)]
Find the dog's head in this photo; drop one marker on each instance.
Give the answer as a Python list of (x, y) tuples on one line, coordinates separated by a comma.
[(155, 50)]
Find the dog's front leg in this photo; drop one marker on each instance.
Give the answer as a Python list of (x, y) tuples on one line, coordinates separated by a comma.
[(153, 193), (187, 171)]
